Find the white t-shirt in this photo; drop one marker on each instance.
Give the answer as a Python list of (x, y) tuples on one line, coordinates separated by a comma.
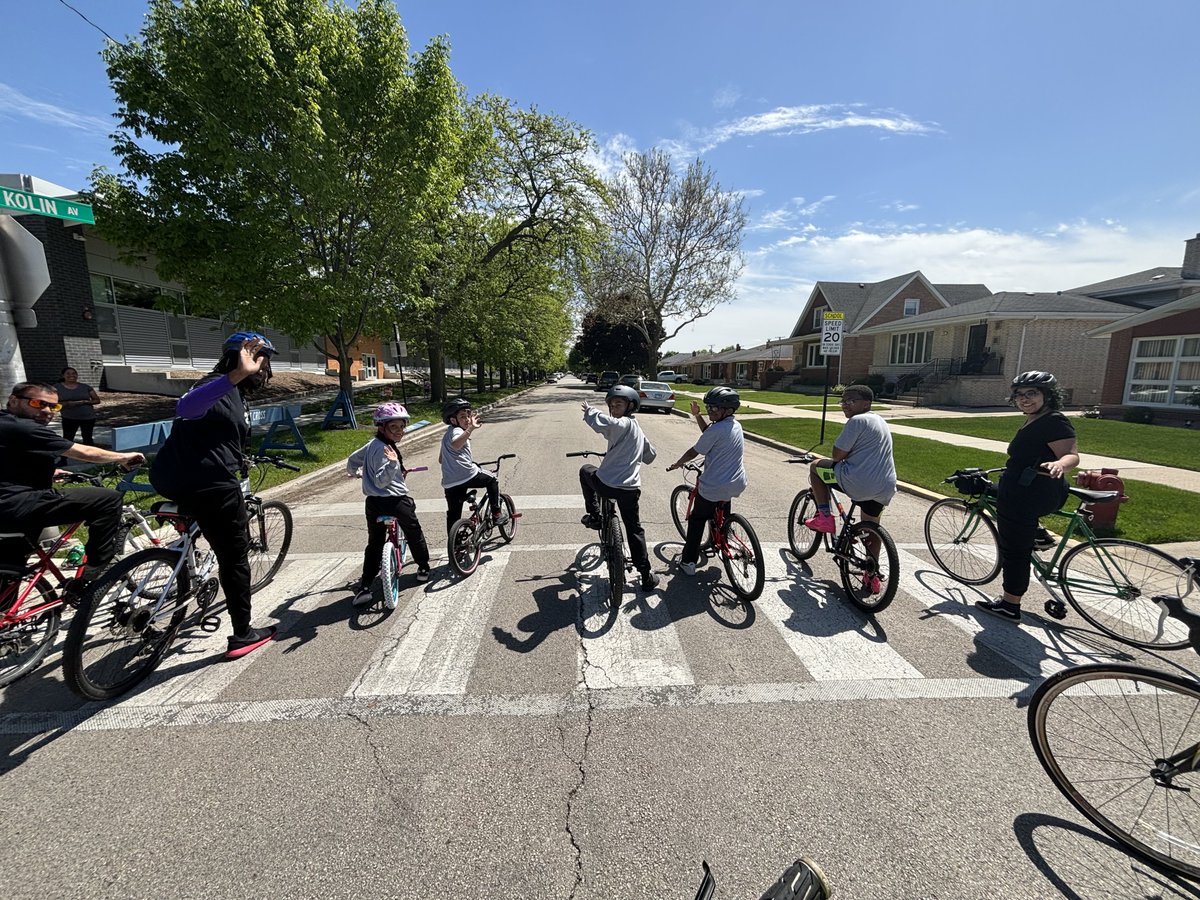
[(457, 465), (869, 472), (724, 475)]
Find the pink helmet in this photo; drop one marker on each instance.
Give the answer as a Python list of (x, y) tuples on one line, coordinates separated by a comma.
[(385, 412)]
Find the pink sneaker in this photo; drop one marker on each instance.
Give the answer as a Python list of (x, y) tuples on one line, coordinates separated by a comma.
[(872, 584), (822, 522)]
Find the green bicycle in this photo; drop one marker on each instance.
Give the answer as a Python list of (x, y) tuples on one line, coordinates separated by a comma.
[(1110, 582)]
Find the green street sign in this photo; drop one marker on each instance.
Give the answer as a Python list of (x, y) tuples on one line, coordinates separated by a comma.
[(25, 203)]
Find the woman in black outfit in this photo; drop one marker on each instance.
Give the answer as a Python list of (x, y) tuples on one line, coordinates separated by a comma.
[(1033, 483)]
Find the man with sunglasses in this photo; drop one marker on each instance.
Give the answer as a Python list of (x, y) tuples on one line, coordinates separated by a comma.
[(29, 450)]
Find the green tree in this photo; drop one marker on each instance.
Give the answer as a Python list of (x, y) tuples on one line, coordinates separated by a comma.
[(282, 158)]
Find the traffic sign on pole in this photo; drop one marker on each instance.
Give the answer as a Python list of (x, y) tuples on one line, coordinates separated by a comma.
[(831, 332), (25, 203)]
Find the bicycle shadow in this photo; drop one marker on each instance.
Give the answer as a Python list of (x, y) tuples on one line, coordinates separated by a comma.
[(819, 607), (683, 596), (590, 613)]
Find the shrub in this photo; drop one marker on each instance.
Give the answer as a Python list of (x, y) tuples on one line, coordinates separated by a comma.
[(1141, 415)]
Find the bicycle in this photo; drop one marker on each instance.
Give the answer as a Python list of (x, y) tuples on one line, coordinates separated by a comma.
[(470, 533), (270, 523), (864, 552), (385, 588), (128, 618), (730, 536), (1110, 582), (1122, 744), (612, 541)]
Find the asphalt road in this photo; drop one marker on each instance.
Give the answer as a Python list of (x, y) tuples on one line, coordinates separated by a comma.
[(500, 736)]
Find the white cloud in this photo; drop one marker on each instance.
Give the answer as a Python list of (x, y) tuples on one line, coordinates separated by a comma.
[(15, 104), (789, 216), (726, 97), (900, 206)]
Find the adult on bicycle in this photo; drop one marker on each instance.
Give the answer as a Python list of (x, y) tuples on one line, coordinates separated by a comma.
[(460, 472), (28, 500), (619, 473), (1033, 482), (724, 476), (201, 464)]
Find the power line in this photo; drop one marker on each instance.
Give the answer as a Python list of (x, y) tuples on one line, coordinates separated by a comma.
[(90, 22)]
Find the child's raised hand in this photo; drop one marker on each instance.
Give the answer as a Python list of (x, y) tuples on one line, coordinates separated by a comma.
[(585, 406), (389, 453), (695, 408)]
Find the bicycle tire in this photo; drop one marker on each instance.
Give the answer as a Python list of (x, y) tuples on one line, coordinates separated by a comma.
[(23, 645), (509, 529), (385, 589), (463, 548), (270, 540), (856, 565), (743, 557), (615, 547), (1099, 732), (963, 540), (802, 539), (1124, 611), (679, 507), (112, 644)]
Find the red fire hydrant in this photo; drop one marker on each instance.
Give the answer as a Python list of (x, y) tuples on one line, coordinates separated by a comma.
[(1103, 515)]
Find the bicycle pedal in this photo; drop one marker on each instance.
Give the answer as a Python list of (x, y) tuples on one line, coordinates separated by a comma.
[(1056, 609), (210, 624)]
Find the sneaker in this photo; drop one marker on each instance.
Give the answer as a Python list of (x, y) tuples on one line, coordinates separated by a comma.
[(422, 573), (364, 597), (1010, 611), (501, 518), (822, 522), (872, 584), (1044, 540), (590, 521), (687, 568), (252, 640), (649, 581)]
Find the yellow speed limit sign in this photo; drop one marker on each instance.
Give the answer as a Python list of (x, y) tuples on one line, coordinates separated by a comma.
[(831, 332)]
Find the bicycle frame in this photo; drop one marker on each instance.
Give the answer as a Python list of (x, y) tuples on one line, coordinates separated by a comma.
[(720, 537), (198, 571), (13, 597)]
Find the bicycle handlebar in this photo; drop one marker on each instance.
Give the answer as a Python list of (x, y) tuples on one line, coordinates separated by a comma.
[(967, 473), (586, 453), (277, 461), (803, 458), (495, 462), (416, 469)]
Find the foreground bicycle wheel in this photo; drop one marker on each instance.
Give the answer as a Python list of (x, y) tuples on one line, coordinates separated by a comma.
[(743, 558), (870, 566), (614, 542), (963, 541), (385, 588), (679, 507), (124, 625), (1120, 743), (1112, 583), (509, 529), (24, 645), (270, 538), (802, 539), (464, 549)]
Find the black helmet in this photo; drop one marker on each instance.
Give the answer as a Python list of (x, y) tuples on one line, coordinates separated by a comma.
[(625, 392), (726, 397), (1034, 379), (452, 408)]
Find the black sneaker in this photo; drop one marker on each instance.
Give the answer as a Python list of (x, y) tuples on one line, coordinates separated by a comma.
[(1001, 608), (251, 640), (649, 581), (1044, 540), (590, 521)]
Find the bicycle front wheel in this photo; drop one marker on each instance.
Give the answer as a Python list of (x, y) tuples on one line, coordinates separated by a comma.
[(1119, 742), (385, 588), (802, 539), (615, 551), (464, 549), (680, 497), (963, 541), (509, 529), (1112, 584), (270, 538), (23, 645), (743, 558), (870, 566), (125, 623)]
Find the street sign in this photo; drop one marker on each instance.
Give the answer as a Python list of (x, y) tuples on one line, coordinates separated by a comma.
[(831, 333), (25, 203)]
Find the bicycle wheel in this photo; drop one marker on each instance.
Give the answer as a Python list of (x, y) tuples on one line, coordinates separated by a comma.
[(124, 625), (385, 588), (509, 529), (963, 541), (743, 558), (615, 551), (270, 538), (464, 548), (802, 539), (1119, 742), (1112, 583), (25, 644), (679, 507), (869, 580), (134, 534)]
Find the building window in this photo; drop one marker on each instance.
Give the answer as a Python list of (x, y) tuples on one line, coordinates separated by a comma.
[(817, 320), (912, 308), (911, 348), (814, 358), (1164, 371)]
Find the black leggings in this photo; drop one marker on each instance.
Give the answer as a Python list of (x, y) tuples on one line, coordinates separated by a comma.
[(627, 504), (32, 511), (405, 511), (457, 495), (1017, 512)]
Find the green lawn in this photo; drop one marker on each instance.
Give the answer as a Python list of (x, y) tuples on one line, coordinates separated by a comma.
[(778, 398), (1158, 444), (685, 404)]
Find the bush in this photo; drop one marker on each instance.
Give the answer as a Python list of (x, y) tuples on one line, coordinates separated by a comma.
[(1140, 415)]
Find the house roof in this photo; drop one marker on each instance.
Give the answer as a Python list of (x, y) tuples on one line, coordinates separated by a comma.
[(1161, 278), (1192, 301), (1010, 305)]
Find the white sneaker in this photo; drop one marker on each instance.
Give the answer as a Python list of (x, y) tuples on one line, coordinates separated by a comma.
[(363, 597), (687, 568)]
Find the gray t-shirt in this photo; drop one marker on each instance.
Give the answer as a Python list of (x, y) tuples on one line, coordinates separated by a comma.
[(724, 475), (627, 449), (457, 465), (869, 472), (81, 391)]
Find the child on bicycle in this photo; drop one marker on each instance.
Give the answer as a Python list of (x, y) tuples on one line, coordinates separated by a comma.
[(724, 475), (619, 473), (460, 473), (382, 469)]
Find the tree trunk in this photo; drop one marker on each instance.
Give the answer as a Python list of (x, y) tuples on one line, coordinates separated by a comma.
[(503, 377), (480, 377), (437, 367)]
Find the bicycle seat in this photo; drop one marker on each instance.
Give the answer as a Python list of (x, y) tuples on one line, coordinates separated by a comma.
[(470, 496), (165, 509), (1093, 496)]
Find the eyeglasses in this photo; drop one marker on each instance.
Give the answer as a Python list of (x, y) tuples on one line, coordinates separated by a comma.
[(42, 404), (1027, 395)]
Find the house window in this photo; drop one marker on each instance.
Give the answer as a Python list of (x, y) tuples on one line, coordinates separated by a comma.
[(817, 320), (912, 308), (814, 358), (911, 348), (1164, 371)]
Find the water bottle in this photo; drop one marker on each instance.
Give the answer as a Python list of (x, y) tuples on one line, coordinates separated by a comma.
[(75, 556)]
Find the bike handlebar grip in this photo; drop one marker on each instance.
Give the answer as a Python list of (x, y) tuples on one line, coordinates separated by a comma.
[(289, 466), (584, 453), (507, 456), (418, 469)]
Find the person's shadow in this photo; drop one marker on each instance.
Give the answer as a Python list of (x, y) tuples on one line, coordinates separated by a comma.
[(569, 599)]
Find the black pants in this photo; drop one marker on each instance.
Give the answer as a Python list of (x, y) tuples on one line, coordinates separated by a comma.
[(405, 511), (701, 515), (627, 503), (32, 511), (69, 427), (457, 496), (1017, 512)]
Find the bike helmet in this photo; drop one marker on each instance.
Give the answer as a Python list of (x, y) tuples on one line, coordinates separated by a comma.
[(1034, 379), (725, 397), (452, 408), (625, 392), (235, 341), (386, 412)]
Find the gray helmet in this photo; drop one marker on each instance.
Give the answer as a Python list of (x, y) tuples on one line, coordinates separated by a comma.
[(722, 396), (625, 392), (1034, 379), (453, 407)]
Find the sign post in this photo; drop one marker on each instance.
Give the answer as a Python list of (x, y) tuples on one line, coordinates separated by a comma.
[(831, 346)]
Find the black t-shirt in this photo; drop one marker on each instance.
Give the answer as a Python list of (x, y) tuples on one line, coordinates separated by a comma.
[(1030, 446), (28, 452), (204, 452)]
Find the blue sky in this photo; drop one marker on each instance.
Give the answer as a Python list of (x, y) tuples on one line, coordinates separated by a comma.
[(1025, 144)]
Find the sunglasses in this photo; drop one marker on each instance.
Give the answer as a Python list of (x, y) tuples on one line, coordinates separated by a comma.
[(41, 404)]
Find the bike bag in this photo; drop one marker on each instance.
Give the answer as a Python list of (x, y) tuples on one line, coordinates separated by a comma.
[(973, 482)]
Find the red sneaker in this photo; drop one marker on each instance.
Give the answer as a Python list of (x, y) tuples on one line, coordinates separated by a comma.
[(822, 522)]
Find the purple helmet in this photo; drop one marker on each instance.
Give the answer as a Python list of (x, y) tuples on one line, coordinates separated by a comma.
[(386, 412)]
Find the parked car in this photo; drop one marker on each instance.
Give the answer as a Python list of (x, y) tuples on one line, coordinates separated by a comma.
[(631, 381), (607, 380), (671, 377), (657, 396), (589, 378)]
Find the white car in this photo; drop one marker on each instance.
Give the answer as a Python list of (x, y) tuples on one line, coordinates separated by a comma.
[(656, 396), (671, 377)]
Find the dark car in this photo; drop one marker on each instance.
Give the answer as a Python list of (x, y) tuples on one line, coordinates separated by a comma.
[(607, 380), (590, 378), (631, 381)]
